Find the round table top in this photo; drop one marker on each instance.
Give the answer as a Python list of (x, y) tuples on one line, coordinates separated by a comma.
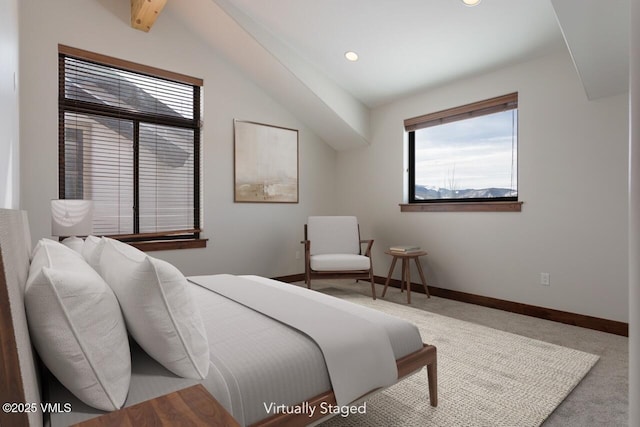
[(406, 254)]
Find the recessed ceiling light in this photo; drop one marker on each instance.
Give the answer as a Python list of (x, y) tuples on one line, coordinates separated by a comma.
[(471, 2), (351, 56)]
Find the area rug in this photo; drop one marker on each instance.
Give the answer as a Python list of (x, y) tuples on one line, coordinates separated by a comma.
[(486, 377)]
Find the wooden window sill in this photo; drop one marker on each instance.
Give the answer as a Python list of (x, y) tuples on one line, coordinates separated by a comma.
[(165, 245), (462, 207)]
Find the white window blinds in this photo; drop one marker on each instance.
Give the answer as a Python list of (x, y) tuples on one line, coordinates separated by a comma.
[(130, 141)]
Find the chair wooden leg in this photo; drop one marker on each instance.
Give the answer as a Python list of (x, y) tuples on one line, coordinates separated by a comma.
[(373, 286), (432, 377)]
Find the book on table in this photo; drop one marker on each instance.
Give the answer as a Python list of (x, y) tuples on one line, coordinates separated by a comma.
[(405, 249)]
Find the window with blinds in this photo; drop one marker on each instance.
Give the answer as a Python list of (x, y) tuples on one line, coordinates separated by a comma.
[(465, 154), (129, 140)]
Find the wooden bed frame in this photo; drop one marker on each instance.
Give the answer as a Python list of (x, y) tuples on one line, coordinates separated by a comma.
[(19, 382), (406, 366)]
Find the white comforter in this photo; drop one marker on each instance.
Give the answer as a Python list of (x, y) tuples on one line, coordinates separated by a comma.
[(357, 352)]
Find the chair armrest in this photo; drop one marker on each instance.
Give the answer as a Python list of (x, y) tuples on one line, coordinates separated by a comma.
[(367, 251)]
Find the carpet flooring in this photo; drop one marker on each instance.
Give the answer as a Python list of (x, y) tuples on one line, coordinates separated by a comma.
[(487, 377)]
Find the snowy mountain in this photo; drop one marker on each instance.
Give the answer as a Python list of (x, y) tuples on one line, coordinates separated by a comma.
[(430, 193)]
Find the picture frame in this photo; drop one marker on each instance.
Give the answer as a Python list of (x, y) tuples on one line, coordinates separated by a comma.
[(265, 163)]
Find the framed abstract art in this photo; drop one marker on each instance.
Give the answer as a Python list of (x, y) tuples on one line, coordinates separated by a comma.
[(265, 163)]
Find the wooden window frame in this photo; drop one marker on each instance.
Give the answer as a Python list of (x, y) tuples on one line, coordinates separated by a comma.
[(476, 109), (173, 239)]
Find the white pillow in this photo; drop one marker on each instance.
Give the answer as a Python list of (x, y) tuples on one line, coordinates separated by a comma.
[(158, 309), (74, 243), (77, 327), (57, 254), (91, 251)]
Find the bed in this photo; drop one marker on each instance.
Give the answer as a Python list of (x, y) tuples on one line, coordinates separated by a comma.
[(255, 362)]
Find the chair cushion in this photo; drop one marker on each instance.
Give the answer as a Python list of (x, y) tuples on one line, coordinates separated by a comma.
[(339, 262), (333, 235), (77, 327)]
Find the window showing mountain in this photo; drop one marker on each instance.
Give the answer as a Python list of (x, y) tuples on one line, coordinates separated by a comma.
[(467, 153)]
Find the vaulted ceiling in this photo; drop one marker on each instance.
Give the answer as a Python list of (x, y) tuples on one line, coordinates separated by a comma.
[(295, 49)]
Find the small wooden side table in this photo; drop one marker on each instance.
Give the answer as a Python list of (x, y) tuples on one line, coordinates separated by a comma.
[(406, 275), (193, 406)]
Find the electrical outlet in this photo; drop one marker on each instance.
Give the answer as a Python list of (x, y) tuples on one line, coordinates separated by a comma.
[(297, 254), (545, 279)]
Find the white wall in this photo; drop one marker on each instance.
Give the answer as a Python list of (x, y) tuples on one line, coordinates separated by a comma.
[(572, 179), (572, 169), (244, 238), (9, 122)]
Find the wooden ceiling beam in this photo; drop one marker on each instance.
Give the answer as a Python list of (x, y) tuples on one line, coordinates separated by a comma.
[(145, 12)]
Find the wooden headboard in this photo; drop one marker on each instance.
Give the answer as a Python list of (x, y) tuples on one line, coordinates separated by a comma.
[(18, 367)]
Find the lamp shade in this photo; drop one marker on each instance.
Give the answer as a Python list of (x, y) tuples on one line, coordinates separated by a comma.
[(71, 217)]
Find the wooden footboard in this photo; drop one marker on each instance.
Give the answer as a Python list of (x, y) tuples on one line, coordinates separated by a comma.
[(426, 356)]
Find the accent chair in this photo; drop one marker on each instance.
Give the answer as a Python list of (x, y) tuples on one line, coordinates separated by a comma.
[(333, 250)]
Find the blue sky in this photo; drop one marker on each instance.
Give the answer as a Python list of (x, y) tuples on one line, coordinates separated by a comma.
[(474, 153)]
